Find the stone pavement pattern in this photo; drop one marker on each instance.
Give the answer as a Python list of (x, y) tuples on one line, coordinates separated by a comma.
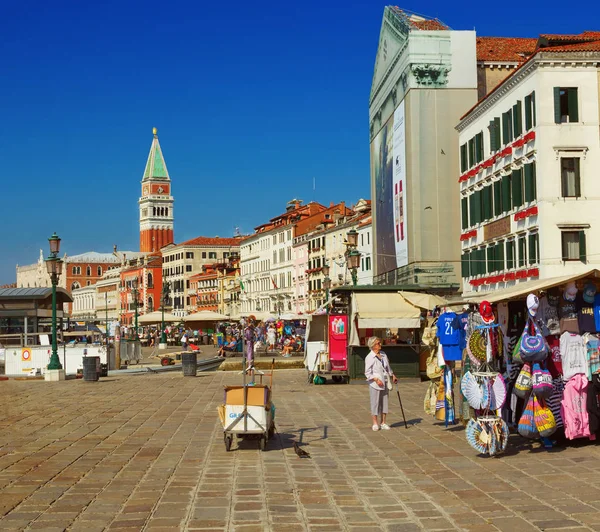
[(145, 452)]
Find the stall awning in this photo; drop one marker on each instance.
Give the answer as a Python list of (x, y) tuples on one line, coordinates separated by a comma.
[(424, 301), (381, 310), (522, 289)]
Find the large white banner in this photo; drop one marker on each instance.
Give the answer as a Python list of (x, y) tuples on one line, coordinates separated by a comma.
[(399, 187)]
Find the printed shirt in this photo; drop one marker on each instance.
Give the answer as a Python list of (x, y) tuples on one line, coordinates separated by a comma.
[(574, 356), (592, 345), (376, 367), (449, 329), (554, 360), (597, 311)]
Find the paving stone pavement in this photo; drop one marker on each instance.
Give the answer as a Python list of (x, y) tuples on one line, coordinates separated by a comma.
[(146, 452)]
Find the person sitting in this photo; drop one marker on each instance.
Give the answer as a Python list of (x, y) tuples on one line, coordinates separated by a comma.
[(287, 348), (225, 348)]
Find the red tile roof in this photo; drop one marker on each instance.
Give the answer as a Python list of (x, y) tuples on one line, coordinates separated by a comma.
[(593, 46), (211, 241), (429, 25), (505, 49), (585, 36)]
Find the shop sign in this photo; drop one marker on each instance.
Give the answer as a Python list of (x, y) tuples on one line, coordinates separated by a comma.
[(495, 229)]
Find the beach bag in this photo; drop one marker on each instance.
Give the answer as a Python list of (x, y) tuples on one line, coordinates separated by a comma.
[(541, 382), (533, 344), (430, 399), (527, 427), (573, 408), (440, 403), (432, 368), (524, 382), (544, 419)]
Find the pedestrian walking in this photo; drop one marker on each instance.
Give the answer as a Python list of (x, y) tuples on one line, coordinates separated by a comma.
[(379, 375), (184, 341), (249, 337)]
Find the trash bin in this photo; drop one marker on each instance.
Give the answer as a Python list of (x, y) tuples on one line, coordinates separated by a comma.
[(103, 370), (91, 368), (189, 364)]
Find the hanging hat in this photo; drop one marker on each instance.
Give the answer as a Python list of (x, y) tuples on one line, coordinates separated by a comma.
[(570, 292), (485, 309), (532, 304), (589, 292)]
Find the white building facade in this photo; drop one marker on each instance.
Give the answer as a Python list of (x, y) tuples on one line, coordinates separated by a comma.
[(528, 189)]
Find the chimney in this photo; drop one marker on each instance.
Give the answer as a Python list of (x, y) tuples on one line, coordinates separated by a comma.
[(331, 204)]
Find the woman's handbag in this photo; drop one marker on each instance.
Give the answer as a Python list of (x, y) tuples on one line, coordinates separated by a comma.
[(542, 382), (389, 381), (544, 419), (523, 383)]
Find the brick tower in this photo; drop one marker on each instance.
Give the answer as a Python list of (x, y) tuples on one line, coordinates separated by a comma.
[(156, 203)]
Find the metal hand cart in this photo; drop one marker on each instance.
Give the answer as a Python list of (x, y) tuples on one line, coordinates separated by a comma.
[(248, 410)]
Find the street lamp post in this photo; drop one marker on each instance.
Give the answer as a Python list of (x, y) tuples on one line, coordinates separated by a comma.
[(106, 309), (164, 295), (135, 293), (326, 285), (352, 254), (54, 267)]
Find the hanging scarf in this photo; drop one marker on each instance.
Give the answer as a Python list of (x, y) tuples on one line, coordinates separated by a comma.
[(449, 397)]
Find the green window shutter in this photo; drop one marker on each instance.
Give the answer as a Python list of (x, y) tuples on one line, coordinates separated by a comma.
[(528, 113), (533, 109), (464, 263), (493, 135), (464, 162), (517, 119), (497, 198), (557, 117), (506, 200), (582, 247), (500, 256), (530, 192), (464, 207), (472, 213), (480, 149), (573, 105), (510, 254), (505, 128), (490, 259), (517, 188), (533, 248), (497, 130), (486, 197)]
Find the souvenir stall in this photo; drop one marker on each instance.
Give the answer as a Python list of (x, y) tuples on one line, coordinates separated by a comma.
[(532, 363)]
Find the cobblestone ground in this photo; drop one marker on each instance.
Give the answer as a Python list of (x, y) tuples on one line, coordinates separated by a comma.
[(146, 452)]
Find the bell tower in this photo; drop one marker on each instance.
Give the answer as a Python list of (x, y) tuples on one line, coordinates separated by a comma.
[(156, 202)]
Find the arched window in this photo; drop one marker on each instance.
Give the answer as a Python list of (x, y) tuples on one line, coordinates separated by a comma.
[(99, 271), (150, 280), (150, 304), (88, 283), (75, 285), (88, 271)]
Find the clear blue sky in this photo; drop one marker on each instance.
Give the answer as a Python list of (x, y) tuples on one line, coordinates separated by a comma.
[(252, 100)]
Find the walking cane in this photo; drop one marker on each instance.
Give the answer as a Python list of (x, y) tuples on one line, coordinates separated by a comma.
[(401, 408)]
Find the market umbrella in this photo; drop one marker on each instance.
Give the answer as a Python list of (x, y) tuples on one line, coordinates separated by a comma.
[(205, 315), (156, 317)]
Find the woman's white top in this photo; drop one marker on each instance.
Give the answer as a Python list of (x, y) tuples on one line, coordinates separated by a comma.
[(377, 368)]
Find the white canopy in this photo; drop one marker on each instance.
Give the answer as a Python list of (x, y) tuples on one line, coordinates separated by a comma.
[(205, 315), (382, 310), (424, 301), (156, 317)]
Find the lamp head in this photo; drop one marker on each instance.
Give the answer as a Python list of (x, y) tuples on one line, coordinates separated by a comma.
[(325, 269), (54, 241), (352, 237), (353, 259)]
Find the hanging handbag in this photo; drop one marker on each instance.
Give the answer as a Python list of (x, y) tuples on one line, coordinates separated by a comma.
[(527, 427), (542, 382), (433, 370), (533, 345), (524, 382), (544, 419)]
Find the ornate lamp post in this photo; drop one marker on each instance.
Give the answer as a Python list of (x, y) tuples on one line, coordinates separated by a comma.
[(163, 299), (135, 292), (54, 267), (326, 284), (106, 309), (352, 254)]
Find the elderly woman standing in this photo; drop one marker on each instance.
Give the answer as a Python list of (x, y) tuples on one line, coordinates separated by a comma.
[(377, 367)]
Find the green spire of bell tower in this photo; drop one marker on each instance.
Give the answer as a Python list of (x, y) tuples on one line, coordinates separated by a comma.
[(155, 165)]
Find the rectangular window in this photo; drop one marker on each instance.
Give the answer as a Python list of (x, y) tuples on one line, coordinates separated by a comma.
[(475, 207), (530, 111), (517, 187), (517, 119), (530, 185), (487, 207), (274, 257), (570, 177), (189, 254), (368, 263), (188, 267), (566, 105), (464, 264), (573, 245), (522, 245), (507, 127), (534, 248), (464, 158), (479, 147), (471, 152), (204, 254), (464, 209), (497, 198), (212, 254)]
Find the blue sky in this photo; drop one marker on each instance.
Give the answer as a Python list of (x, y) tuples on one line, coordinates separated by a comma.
[(251, 101)]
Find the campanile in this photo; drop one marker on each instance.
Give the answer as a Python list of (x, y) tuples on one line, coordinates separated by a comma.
[(156, 202)]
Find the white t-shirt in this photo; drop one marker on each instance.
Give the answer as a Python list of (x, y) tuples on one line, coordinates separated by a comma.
[(376, 368), (573, 354)]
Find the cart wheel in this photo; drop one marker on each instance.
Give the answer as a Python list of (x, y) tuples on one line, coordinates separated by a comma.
[(165, 361), (263, 443), (228, 440)]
